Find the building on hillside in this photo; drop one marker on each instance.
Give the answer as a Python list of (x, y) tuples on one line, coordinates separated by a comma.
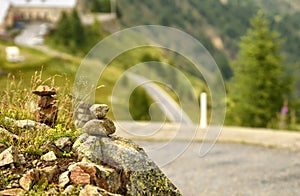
[(45, 10)]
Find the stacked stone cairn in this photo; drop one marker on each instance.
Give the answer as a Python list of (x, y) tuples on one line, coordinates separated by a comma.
[(47, 105), (99, 125)]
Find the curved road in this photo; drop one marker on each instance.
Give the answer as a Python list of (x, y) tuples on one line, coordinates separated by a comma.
[(167, 104), (232, 169)]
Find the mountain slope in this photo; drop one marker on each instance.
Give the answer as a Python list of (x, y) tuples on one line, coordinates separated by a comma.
[(218, 24)]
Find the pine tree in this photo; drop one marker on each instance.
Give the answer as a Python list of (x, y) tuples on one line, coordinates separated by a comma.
[(258, 86), (62, 33), (77, 31)]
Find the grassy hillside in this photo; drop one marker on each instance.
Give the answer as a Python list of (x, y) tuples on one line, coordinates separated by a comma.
[(61, 70)]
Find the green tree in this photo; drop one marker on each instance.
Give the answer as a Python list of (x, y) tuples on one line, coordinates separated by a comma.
[(100, 6), (139, 104), (62, 33), (259, 85), (77, 31)]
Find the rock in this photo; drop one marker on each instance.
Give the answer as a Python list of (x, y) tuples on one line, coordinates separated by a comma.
[(64, 144), (140, 175), (78, 176), (5, 132), (48, 173), (44, 91), (13, 192), (47, 115), (63, 179), (47, 111), (26, 124), (82, 145), (34, 162), (46, 101), (108, 178), (51, 192), (50, 156), (50, 146), (100, 176), (29, 179), (8, 156), (95, 191), (2, 147), (68, 190), (99, 111), (22, 159), (103, 127), (90, 190), (29, 124)]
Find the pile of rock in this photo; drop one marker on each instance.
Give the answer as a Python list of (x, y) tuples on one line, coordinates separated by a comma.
[(47, 106), (101, 164), (99, 125)]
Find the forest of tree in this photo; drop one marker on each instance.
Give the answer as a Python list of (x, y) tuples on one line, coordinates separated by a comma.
[(72, 36)]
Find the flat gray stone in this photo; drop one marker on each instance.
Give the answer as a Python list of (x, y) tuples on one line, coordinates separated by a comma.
[(99, 111), (64, 144), (50, 156), (103, 127)]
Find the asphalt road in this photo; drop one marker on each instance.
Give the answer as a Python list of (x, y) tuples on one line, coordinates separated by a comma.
[(167, 104), (30, 35), (231, 169)]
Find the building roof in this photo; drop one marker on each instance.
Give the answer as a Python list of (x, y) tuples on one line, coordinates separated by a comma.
[(43, 3), (5, 4)]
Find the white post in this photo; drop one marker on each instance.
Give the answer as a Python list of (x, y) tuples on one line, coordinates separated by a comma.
[(203, 103), (113, 6)]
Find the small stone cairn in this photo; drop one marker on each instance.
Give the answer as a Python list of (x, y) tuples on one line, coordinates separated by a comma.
[(97, 124), (47, 105)]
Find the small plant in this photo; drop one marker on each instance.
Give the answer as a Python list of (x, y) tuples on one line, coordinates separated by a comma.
[(67, 154)]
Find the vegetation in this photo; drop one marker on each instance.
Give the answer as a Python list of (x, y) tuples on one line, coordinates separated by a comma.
[(100, 6), (19, 103), (228, 20), (71, 36), (259, 85), (139, 104)]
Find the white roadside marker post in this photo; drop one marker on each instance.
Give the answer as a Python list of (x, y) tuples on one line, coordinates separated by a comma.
[(203, 109)]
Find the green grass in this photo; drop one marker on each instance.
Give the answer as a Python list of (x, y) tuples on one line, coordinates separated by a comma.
[(60, 71)]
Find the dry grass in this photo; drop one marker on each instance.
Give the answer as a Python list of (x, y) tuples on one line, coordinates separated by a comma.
[(19, 103)]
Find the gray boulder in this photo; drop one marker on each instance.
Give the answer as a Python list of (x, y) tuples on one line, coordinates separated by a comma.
[(139, 174)]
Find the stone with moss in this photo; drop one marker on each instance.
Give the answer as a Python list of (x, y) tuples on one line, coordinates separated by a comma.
[(139, 174)]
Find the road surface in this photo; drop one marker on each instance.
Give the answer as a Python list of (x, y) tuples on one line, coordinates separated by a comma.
[(244, 161), (30, 36), (233, 169), (167, 104)]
